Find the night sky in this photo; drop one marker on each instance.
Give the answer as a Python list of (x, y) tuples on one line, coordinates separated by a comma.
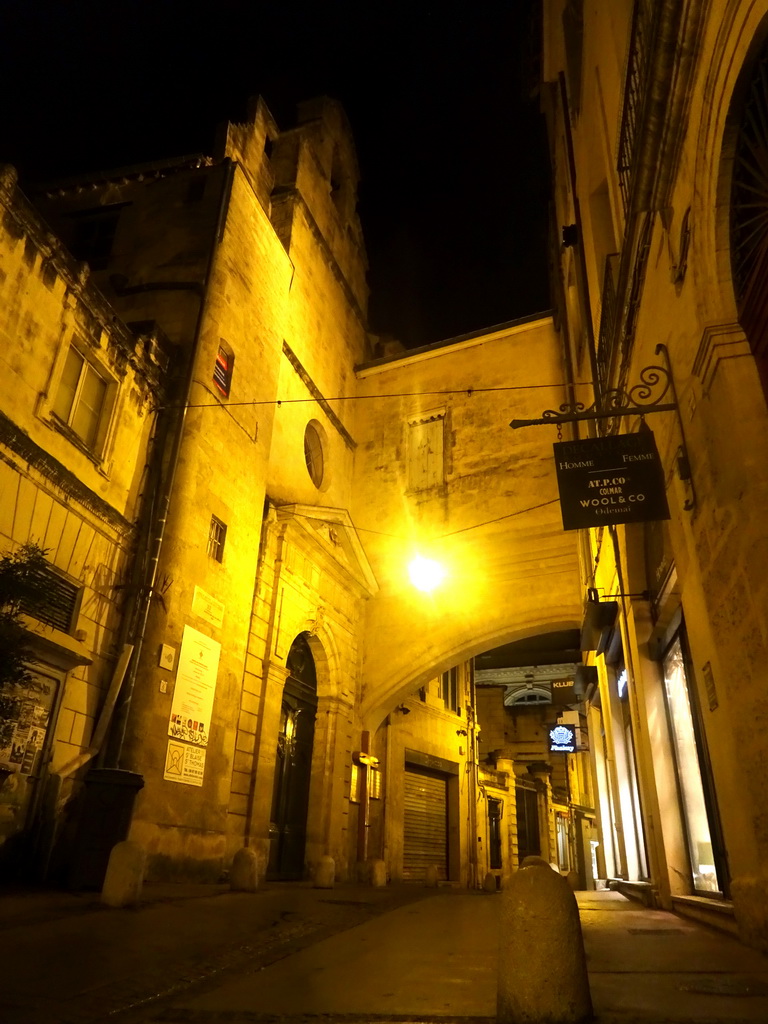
[(451, 147)]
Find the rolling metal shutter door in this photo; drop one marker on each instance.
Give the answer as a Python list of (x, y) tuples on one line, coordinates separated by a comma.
[(425, 825)]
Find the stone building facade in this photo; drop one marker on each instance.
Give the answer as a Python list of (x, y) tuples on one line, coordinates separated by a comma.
[(656, 114), (79, 399), (269, 474)]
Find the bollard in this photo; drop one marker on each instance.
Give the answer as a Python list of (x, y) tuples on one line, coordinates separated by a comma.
[(430, 876), (125, 875), (378, 875), (244, 873), (489, 882), (542, 964), (325, 873)]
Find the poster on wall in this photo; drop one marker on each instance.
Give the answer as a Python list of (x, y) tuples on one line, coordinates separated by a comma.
[(24, 718), (195, 688), (184, 763)]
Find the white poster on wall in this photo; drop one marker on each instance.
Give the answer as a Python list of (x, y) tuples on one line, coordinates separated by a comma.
[(184, 763), (195, 688)]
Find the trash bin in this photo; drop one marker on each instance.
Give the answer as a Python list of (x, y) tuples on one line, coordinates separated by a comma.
[(105, 820)]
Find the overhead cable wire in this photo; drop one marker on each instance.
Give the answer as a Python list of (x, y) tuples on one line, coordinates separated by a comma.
[(363, 398), (452, 533)]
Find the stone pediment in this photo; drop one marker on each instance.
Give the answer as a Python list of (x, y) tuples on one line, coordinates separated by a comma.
[(332, 534)]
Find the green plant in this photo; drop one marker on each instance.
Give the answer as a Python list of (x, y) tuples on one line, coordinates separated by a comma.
[(22, 586)]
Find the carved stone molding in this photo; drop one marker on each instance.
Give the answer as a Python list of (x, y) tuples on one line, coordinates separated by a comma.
[(718, 342)]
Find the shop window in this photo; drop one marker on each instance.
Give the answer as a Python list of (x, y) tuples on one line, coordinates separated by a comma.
[(691, 779), (80, 400), (223, 369), (217, 534)]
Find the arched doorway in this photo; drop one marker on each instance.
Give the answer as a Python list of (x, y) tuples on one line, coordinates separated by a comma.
[(293, 766)]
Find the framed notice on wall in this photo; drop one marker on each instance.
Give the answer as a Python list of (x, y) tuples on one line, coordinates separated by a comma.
[(192, 707), (195, 688)]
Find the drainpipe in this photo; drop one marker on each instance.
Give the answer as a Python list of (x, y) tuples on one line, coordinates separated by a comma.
[(157, 528)]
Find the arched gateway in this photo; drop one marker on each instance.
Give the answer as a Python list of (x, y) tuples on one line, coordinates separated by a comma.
[(440, 474)]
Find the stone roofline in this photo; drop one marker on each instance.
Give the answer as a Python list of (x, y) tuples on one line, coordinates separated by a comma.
[(425, 351)]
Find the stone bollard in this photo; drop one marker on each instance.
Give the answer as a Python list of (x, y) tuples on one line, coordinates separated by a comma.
[(125, 875), (542, 964), (430, 876), (244, 873), (489, 882), (325, 873), (378, 874), (572, 878)]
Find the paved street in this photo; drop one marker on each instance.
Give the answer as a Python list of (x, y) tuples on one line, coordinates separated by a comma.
[(353, 955)]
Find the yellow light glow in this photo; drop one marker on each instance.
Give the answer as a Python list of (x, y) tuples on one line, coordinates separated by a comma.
[(425, 573)]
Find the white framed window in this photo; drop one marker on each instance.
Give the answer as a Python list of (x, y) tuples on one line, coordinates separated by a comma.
[(81, 399)]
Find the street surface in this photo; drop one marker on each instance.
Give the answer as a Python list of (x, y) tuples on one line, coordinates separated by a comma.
[(352, 955)]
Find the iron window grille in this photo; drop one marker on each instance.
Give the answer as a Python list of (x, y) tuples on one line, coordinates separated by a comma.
[(635, 88), (59, 602)]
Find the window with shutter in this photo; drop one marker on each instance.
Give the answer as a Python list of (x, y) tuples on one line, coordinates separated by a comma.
[(425, 452), (59, 602)]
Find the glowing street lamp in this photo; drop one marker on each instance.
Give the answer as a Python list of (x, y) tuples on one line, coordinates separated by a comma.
[(425, 573)]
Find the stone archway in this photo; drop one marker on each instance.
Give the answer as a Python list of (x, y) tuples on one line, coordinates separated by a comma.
[(440, 473)]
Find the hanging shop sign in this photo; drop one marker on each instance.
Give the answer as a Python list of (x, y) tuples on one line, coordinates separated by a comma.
[(564, 692), (562, 739), (610, 480)]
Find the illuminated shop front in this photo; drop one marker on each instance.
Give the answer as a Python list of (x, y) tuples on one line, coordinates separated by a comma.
[(696, 794)]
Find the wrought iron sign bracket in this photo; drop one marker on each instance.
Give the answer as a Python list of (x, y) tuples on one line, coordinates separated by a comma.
[(640, 400)]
